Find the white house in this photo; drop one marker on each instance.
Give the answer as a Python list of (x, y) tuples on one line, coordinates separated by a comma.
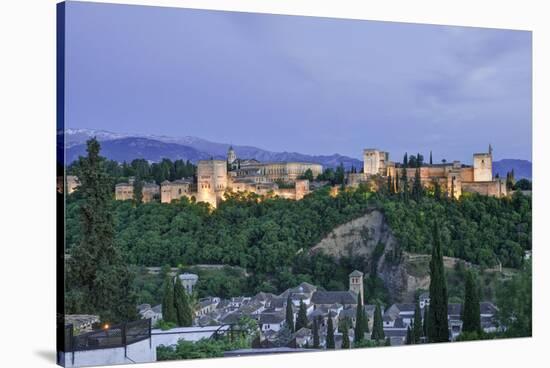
[(272, 321), (188, 280), (153, 313)]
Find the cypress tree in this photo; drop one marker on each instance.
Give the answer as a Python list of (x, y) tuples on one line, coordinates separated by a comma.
[(437, 191), (453, 188), (439, 326), (330, 332), (315, 333), (405, 160), (359, 323), (98, 279), (168, 307), (289, 315), (417, 325), (182, 303), (345, 338), (301, 320), (431, 162), (417, 185), (365, 322), (405, 183), (471, 310), (138, 190), (397, 187), (377, 327), (409, 338), (426, 323)]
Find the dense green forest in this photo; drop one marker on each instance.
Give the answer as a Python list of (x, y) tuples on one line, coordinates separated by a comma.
[(270, 237), (141, 168), (479, 229)]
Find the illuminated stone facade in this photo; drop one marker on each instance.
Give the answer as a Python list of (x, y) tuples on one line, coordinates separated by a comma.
[(277, 171), (211, 181), (454, 178), (72, 183), (175, 190), (125, 191)]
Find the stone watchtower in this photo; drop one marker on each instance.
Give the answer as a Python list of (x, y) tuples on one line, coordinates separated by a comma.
[(356, 283), (483, 166), (371, 161), (231, 155)]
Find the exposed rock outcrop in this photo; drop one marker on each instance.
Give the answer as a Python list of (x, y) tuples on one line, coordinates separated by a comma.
[(360, 237)]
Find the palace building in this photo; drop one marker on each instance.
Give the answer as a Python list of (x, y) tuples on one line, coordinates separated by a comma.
[(453, 177), (215, 177), (288, 179)]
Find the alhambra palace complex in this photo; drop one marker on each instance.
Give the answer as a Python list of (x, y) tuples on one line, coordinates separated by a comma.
[(214, 177)]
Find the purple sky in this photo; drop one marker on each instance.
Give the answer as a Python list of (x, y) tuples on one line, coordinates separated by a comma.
[(304, 84)]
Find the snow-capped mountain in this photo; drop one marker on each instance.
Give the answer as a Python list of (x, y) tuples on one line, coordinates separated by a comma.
[(126, 147)]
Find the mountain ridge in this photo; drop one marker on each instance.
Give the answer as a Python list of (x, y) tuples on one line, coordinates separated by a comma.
[(126, 147)]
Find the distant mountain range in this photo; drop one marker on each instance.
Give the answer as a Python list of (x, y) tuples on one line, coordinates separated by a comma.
[(522, 168), (127, 147)]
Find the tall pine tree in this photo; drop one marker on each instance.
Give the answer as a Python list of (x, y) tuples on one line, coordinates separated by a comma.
[(330, 332), (289, 316), (182, 303), (405, 180), (98, 279), (426, 323), (316, 333), (345, 338), (471, 310), (409, 338), (417, 325), (168, 308), (437, 191), (377, 324), (359, 323), (417, 189), (138, 190), (439, 326), (301, 320)]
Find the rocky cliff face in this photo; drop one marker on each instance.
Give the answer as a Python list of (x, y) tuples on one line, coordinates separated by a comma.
[(402, 275)]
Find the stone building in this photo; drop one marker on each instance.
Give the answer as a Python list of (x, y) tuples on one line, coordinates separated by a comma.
[(211, 181), (455, 178), (176, 189), (125, 191), (215, 177), (231, 155), (188, 280), (278, 171), (356, 283), (150, 191), (72, 183)]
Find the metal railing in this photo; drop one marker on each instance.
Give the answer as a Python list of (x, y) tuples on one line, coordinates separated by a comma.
[(112, 337)]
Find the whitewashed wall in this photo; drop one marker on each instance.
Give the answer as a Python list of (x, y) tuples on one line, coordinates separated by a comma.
[(139, 352), (171, 337)]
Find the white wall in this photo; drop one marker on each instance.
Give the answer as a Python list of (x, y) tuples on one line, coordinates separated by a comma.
[(171, 337), (139, 352)]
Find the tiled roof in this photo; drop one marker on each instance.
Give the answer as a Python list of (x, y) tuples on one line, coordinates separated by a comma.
[(332, 297), (271, 318), (487, 308), (408, 307)]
